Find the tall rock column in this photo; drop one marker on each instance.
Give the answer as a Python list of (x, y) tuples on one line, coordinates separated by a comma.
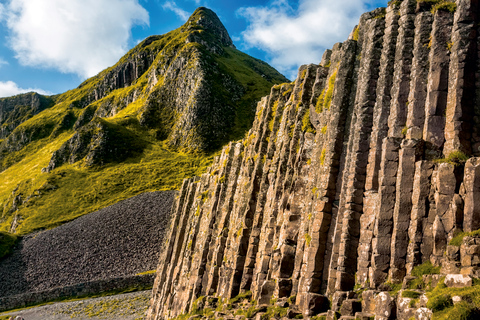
[(461, 94)]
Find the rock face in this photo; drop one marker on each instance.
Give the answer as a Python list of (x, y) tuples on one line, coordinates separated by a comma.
[(17, 109), (352, 175)]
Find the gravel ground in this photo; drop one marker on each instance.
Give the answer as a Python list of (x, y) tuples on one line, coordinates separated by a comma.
[(120, 240), (130, 306)]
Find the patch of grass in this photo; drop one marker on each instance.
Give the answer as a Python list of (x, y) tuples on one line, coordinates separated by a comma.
[(455, 158), (458, 239), (449, 6), (308, 239), (394, 288), (274, 312), (322, 156), (7, 242), (147, 272), (306, 124), (356, 32), (256, 84), (424, 269), (326, 96), (71, 191), (411, 294), (394, 2)]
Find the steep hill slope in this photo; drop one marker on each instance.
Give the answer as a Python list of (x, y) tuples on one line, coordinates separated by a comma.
[(144, 124), (355, 181)]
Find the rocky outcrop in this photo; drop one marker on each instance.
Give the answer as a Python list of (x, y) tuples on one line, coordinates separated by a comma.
[(18, 109), (97, 143), (351, 176)]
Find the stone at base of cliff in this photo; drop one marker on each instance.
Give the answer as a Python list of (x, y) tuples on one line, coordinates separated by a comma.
[(364, 316), (313, 303), (458, 281), (350, 307), (423, 314), (385, 307)]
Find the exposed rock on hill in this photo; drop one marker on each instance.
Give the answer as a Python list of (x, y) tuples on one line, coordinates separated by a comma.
[(361, 170), (17, 109)]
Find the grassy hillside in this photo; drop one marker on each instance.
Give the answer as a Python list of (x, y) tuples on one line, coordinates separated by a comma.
[(115, 136)]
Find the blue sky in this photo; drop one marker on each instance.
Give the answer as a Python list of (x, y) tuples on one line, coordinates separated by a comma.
[(51, 46)]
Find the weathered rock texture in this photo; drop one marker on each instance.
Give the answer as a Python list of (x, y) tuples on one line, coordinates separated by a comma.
[(361, 201)]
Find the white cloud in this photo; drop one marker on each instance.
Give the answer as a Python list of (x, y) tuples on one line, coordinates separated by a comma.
[(295, 36), (172, 6), (74, 36), (10, 88), (3, 62), (2, 11)]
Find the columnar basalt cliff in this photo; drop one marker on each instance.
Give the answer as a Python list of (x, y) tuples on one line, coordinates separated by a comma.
[(362, 169)]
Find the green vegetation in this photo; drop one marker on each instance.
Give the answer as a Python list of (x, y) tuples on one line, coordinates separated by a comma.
[(325, 99), (440, 301), (411, 294), (425, 269), (308, 239), (394, 2), (256, 84), (73, 190), (393, 288), (139, 156), (356, 32), (147, 272), (306, 123), (7, 242), (455, 158), (322, 156), (404, 131), (421, 270), (447, 5), (458, 239)]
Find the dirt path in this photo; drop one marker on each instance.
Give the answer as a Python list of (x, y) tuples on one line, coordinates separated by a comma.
[(129, 306)]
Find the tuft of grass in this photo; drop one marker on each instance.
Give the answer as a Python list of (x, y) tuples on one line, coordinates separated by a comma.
[(424, 269), (449, 6), (322, 156), (7, 242), (411, 294), (356, 33), (147, 272), (326, 96), (306, 124), (458, 239), (308, 239), (455, 158)]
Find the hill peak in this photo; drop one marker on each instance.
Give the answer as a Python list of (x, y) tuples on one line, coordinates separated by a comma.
[(204, 19)]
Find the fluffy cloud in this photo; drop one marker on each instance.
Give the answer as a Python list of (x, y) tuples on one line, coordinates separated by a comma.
[(172, 6), (10, 88), (297, 35), (3, 62), (74, 36)]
